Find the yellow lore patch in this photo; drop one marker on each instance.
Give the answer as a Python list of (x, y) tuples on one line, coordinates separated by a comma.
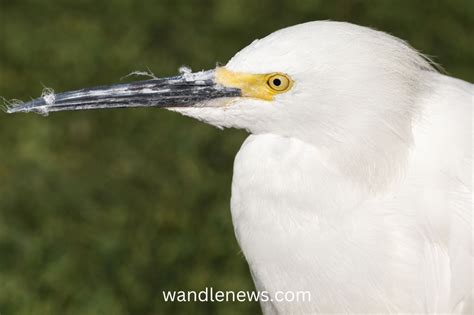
[(262, 86)]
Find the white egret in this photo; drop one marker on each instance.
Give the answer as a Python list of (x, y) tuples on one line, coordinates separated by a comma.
[(356, 181)]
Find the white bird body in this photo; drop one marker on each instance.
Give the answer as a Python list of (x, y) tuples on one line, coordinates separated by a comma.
[(305, 226), (356, 184)]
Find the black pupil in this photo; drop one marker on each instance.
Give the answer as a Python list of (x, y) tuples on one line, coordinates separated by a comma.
[(276, 82)]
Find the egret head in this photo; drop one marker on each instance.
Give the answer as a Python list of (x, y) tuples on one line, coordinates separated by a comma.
[(320, 82)]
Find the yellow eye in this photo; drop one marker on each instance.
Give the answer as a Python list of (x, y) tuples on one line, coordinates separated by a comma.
[(279, 82)]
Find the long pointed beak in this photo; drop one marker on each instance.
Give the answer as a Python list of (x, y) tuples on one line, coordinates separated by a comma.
[(186, 90)]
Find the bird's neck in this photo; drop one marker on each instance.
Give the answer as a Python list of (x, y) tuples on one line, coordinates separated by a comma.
[(373, 158), (374, 164)]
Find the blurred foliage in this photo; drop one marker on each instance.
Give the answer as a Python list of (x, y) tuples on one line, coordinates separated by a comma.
[(100, 211)]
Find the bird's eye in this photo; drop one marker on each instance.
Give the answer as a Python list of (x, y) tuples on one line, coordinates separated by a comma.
[(279, 82)]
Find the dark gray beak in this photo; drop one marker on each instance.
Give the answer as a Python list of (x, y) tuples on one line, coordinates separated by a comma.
[(188, 89)]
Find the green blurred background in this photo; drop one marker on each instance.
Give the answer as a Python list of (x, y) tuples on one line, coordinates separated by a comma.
[(102, 210)]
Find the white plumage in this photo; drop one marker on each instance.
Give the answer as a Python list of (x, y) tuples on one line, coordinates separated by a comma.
[(356, 185)]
